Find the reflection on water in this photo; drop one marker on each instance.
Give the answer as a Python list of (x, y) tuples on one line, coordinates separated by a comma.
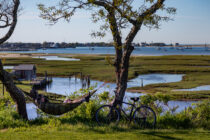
[(57, 58), (66, 86), (200, 88)]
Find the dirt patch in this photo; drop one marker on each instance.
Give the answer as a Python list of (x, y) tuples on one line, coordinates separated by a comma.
[(3, 130)]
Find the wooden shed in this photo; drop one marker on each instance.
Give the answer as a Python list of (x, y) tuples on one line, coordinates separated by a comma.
[(25, 72)]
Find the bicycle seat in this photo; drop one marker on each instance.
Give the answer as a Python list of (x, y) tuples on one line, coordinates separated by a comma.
[(135, 99)]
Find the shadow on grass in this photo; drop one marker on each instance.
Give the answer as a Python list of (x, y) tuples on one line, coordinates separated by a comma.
[(160, 135)]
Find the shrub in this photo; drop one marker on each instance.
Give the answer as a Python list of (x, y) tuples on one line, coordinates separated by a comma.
[(177, 121), (200, 115), (10, 119)]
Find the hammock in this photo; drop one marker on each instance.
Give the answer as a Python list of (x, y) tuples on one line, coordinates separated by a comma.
[(59, 108)]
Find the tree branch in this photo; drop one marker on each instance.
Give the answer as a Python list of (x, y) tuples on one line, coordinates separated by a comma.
[(125, 16), (5, 21), (150, 11), (14, 22), (140, 19)]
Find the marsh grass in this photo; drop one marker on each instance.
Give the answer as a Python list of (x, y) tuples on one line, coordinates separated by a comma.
[(195, 68)]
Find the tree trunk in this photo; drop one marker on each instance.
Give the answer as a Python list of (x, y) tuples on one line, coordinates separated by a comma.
[(16, 94), (121, 81)]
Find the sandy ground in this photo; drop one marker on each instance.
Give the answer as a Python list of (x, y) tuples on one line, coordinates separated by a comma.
[(11, 55), (19, 55), (16, 55)]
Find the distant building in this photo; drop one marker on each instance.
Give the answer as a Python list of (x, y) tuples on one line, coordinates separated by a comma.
[(177, 44), (144, 44), (25, 72), (55, 45), (157, 44)]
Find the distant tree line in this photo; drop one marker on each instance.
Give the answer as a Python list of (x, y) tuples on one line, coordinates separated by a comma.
[(55, 45)]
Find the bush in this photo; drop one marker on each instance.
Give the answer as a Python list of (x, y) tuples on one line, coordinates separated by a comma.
[(10, 119), (86, 111), (194, 117), (177, 121), (197, 117), (200, 115)]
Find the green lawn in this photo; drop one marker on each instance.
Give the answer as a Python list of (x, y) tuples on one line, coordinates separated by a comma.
[(80, 132)]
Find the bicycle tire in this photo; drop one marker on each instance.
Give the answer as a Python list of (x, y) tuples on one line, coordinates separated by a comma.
[(145, 117), (107, 115)]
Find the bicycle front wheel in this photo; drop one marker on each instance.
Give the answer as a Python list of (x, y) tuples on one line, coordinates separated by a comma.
[(145, 117), (107, 115)]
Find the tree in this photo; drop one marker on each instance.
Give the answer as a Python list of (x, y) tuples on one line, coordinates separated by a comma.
[(116, 15), (8, 20)]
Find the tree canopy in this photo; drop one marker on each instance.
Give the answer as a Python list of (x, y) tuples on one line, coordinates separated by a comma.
[(116, 15)]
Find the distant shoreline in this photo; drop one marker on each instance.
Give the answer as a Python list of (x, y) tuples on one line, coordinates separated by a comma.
[(32, 48), (202, 45)]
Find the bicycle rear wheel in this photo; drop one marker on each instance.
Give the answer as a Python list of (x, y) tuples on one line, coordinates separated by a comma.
[(145, 117), (107, 115)]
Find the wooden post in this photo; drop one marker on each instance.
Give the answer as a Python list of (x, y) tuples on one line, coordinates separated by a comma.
[(88, 81), (46, 76), (142, 82)]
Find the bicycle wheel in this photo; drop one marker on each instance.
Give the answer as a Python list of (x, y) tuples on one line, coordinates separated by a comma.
[(145, 117), (107, 115)]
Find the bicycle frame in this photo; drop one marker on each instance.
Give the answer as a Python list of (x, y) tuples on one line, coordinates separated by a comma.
[(130, 116)]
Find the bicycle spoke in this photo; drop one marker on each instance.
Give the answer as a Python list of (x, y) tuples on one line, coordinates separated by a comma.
[(107, 115), (145, 117)]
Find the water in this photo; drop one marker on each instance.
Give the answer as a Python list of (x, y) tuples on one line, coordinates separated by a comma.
[(151, 51), (57, 58), (154, 79), (182, 105), (32, 111), (200, 88), (66, 86), (8, 67)]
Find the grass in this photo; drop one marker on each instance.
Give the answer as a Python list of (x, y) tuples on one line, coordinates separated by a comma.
[(190, 80), (94, 133), (195, 68), (80, 124)]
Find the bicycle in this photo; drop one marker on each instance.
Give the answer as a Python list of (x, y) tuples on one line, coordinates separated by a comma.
[(143, 116)]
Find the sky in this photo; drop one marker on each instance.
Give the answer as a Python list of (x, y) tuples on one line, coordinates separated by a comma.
[(191, 25)]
